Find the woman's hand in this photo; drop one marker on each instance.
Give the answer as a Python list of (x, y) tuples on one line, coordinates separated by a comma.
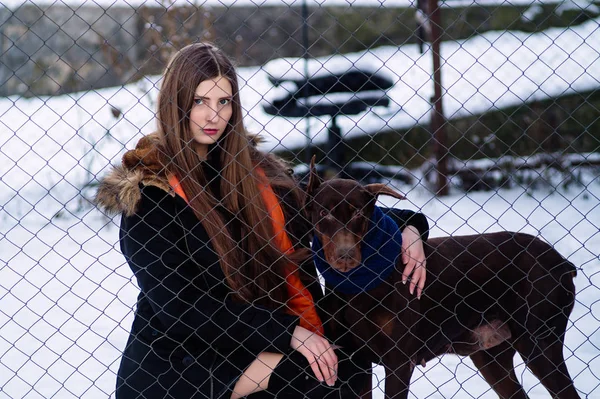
[(319, 353), (413, 256)]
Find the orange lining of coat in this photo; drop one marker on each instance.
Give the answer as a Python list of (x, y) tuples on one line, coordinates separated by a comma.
[(300, 301)]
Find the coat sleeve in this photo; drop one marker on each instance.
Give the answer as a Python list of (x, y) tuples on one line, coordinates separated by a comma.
[(175, 286), (405, 217)]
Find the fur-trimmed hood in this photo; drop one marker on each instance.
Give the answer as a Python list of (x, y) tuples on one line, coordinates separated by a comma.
[(119, 191)]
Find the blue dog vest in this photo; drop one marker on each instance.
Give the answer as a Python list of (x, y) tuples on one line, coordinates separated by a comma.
[(381, 247)]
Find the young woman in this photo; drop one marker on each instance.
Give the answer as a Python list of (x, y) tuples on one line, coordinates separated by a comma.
[(209, 228)]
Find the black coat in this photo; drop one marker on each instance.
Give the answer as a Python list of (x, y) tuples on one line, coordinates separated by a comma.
[(188, 339), (185, 325)]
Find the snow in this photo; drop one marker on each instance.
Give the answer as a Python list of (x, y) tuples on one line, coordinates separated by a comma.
[(495, 70), (71, 138), (67, 295)]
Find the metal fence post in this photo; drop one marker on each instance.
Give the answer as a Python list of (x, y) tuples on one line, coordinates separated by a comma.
[(438, 128)]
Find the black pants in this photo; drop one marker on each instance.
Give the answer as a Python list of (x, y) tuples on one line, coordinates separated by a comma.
[(294, 378)]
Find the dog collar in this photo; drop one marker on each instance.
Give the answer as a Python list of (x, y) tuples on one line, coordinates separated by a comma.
[(381, 247)]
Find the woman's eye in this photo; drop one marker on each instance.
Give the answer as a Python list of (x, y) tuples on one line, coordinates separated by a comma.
[(198, 101), (224, 101)]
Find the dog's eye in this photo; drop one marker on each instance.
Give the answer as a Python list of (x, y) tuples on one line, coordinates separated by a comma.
[(323, 213)]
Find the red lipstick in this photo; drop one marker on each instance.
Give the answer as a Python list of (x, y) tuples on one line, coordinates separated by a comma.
[(210, 132)]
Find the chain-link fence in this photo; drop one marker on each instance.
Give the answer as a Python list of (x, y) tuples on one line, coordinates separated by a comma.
[(483, 114)]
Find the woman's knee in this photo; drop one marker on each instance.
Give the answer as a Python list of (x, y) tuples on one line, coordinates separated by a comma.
[(256, 377), (293, 377)]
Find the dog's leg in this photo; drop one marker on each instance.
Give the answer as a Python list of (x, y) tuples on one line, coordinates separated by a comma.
[(548, 365), (397, 380), (367, 391), (541, 344), (496, 366)]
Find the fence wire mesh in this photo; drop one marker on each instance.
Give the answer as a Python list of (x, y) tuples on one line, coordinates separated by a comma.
[(483, 114)]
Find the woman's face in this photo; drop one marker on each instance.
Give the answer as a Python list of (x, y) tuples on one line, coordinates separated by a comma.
[(211, 112)]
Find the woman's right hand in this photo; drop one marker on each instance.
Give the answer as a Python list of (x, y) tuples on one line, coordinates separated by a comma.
[(319, 353)]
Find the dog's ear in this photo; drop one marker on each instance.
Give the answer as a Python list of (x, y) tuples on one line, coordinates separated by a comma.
[(314, 181), (381, 189)]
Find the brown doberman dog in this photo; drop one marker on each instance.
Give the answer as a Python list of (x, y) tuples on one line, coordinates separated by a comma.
[(487, 296)]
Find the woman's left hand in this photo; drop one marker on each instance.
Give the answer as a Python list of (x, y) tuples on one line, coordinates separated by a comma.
[(413, 256)]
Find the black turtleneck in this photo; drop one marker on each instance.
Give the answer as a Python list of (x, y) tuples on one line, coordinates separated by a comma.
[(212, 168)]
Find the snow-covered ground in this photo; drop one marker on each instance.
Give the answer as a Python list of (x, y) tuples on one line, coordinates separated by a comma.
[(66, 295)]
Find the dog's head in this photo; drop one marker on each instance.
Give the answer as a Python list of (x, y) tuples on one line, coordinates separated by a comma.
[(340, 210)]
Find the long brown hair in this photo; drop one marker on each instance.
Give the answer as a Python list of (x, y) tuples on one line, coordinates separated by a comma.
[(258, 274)]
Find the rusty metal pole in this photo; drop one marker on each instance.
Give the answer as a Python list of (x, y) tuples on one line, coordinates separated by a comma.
[(438, 122)]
